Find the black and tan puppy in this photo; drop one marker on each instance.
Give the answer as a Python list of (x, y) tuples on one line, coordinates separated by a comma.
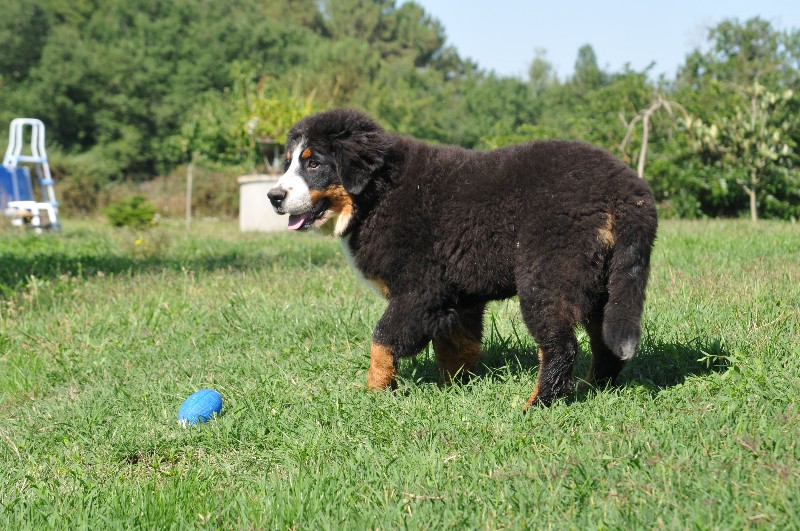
[(442, 230)]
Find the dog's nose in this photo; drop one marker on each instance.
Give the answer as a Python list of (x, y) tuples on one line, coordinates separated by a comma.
[(276, 196)]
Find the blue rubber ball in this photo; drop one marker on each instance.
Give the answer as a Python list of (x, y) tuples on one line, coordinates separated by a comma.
[(200, 407)]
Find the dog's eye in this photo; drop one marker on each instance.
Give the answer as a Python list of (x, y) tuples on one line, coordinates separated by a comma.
[(312, 164)]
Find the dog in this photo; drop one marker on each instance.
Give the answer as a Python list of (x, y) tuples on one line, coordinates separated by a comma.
[(440, 231)]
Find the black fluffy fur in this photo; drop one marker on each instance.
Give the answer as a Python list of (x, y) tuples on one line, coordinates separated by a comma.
[(564, 225)]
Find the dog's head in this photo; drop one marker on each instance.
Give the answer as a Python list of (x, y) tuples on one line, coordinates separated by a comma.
[(331, 157)]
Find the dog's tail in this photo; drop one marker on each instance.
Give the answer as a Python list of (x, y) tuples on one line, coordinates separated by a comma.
[(634, 228)]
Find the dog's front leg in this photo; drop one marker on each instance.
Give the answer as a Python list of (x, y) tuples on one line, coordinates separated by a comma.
[(382, 367), (399, 333)]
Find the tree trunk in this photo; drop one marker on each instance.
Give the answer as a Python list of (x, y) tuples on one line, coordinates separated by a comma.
[(645, 139), (189, 183)]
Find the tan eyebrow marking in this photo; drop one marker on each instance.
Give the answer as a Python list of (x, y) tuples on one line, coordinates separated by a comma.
[(306, 153)]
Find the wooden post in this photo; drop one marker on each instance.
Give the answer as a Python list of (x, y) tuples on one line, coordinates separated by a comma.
[(189, 183)]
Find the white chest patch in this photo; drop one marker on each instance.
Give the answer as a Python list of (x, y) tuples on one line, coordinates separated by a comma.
[(342, 221), (374, 285)]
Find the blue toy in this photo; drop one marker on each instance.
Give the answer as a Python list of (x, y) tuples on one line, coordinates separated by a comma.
[(200, 407)]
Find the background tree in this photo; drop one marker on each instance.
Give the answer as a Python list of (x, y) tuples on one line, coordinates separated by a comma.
[(243, 126), (751, 143), (128, 89), (725, 87), (588, 75), (541, 75)]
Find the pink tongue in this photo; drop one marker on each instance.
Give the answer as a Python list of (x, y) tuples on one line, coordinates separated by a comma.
[(296, 221)]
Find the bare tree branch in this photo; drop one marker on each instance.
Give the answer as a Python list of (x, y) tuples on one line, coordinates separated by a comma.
[(644, 116)]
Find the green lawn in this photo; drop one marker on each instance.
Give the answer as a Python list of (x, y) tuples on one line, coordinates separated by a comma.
[(104, 333)]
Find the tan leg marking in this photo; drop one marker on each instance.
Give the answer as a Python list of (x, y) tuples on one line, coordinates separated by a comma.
[(457, 355), (382, 369), (535, 394)]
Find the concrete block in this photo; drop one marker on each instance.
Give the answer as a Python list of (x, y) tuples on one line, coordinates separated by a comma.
[(255, 212)]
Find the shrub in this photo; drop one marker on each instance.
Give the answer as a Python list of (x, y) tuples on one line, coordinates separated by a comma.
[(136, 211)]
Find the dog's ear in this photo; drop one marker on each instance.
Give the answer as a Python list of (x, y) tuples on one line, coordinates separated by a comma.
[(360, 151)]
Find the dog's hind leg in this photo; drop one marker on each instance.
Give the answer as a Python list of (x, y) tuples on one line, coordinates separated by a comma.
[(605, 365), (551, 320), (457, 352)]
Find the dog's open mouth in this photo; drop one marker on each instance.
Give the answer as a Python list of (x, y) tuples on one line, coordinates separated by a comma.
[(307, 219)]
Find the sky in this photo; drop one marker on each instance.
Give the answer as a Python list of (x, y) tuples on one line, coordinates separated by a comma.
[(503, 35)]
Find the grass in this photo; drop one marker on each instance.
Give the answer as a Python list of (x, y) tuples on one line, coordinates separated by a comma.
[(104, 333)]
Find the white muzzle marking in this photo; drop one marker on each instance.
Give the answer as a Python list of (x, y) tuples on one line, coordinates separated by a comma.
[(298, 196)]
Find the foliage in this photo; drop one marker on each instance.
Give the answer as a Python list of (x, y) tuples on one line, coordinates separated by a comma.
[(741, 53), (403, 33), (233, 128), (135, 212), (751, 144), (742, 96), (131, 89), (83, 184), (116, 78)]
